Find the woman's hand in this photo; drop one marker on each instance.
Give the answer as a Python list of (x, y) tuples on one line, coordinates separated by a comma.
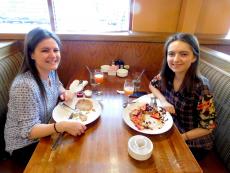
[(72, 127), (165, 104), (67, 95), (168, 106)]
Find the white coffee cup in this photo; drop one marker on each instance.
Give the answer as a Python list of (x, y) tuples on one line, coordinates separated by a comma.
[(140, 147)]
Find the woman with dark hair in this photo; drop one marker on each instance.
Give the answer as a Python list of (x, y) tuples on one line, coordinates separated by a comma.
[(33, 95), (185, 93)]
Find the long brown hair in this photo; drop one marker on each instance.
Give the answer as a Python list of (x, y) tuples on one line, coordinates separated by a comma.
[(192, 75), (32, 39)]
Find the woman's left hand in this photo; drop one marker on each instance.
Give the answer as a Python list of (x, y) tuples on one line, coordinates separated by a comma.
[(67, 95)]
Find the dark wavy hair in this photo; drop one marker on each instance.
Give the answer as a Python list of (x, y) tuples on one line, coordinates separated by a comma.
[(192, 74), (32, 39)]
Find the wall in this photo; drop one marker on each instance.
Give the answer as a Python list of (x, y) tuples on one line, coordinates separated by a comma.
[(214, 17), (195, 16), (156, 15), (139, 55)]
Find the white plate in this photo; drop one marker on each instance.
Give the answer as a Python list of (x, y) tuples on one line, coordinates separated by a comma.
[(61, 113), (167, 124)]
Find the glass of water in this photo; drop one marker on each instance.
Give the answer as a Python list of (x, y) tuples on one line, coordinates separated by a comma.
[(136, 81)]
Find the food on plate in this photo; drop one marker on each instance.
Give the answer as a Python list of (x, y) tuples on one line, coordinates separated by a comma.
[(83, 117), (84, 105), (148, 117), (80, 115)]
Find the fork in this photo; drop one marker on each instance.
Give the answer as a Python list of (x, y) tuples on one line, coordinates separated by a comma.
[(153, 101), (80, 82)]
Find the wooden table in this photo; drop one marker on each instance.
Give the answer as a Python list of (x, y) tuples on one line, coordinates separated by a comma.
[(103, 147)]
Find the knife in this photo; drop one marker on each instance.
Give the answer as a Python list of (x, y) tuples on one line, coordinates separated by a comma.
[(60, 137)]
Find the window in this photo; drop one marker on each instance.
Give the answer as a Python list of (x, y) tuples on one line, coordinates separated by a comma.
[(92, 15), (20, 16), (72, 16)]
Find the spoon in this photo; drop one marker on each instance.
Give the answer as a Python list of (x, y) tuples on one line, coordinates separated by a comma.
[(90, 72)]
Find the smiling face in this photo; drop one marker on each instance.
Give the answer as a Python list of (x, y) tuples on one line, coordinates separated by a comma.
[(46, 56), (180, 57)]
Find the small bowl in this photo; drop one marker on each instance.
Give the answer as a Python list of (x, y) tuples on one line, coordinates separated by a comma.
[(122, 72), (105, 68), (88, 93), (140, 147)]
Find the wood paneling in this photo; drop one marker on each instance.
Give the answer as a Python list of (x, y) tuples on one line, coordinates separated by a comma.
[(214, 17), (139, 55), (156, 15), (196, 16), (189, 15)]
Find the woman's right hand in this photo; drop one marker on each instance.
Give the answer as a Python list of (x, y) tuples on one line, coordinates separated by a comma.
[(72, 127), (168, 107)]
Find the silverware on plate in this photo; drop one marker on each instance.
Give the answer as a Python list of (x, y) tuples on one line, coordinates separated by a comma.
[(80, 82), (153, 101), (69, 107)]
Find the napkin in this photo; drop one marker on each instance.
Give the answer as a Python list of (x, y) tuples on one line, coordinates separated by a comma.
[(76, 86)]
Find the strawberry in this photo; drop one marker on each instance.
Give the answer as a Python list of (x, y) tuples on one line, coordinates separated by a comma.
[(139, 127), (155, 115)]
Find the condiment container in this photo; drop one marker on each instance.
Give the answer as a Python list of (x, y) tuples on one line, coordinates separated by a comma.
[(140, 147)]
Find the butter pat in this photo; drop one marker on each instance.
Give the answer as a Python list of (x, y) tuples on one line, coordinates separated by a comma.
[(105, 68)]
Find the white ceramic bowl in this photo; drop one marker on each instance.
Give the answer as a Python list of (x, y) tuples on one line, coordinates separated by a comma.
[(122, 72), (140, 147), (105, 68), (88, 93)]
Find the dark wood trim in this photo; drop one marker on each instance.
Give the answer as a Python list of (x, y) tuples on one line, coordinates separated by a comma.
[(131, 15), (51, 14), (213, 39), (127, 36), (118, 36)]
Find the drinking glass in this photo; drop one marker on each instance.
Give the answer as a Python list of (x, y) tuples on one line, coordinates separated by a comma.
[(128, 89), (98, 78), (93, 82), (137, 81)]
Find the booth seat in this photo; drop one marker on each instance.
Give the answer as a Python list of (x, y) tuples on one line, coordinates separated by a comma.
[(219, 80), (11, 58)]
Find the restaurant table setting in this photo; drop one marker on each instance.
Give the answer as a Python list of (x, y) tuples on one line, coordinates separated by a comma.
[(114, 141)]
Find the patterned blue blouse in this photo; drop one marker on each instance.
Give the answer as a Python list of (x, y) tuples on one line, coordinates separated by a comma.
[(193, 110), (25, 108)]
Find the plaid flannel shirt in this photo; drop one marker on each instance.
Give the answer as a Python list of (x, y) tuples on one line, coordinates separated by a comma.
[(193, 110)]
